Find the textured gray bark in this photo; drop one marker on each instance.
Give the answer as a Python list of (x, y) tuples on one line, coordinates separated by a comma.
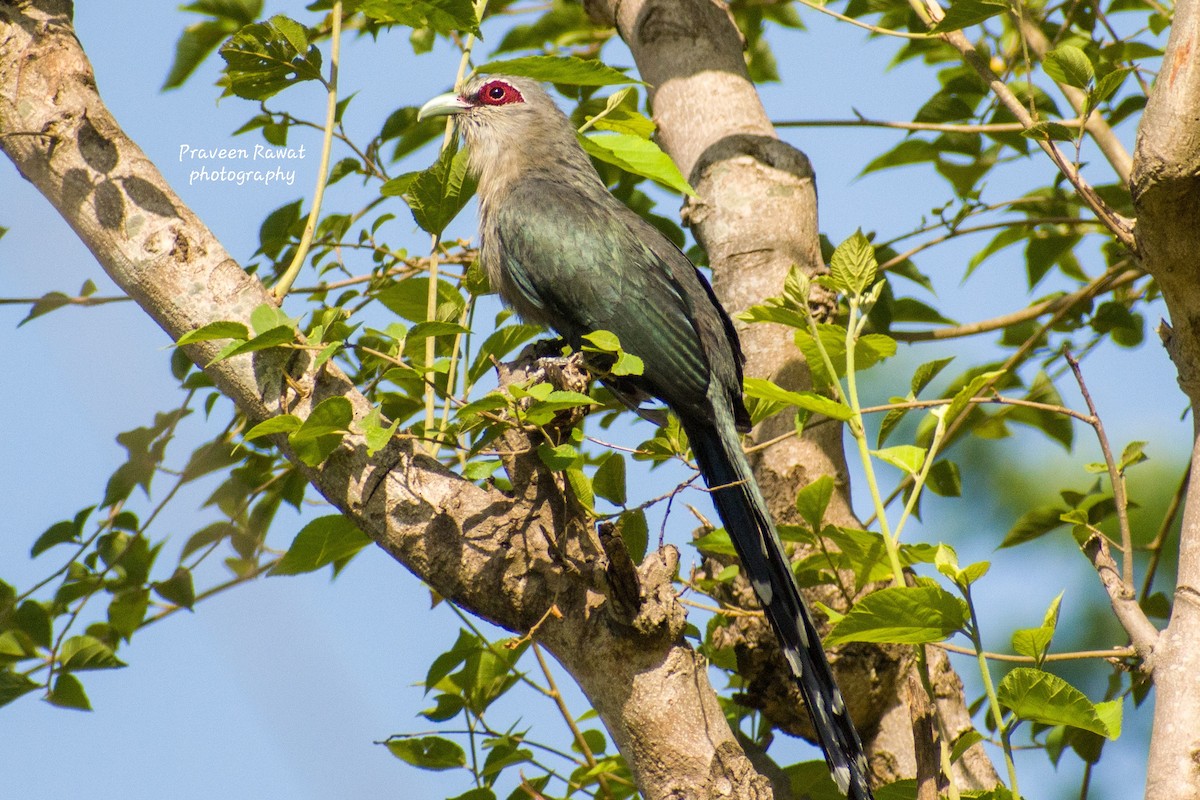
[(1166, 191), (623, 645), (757, 216)]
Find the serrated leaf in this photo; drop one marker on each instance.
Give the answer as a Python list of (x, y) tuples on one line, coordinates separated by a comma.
[(263, 58), (853, 266), (331, 539), (437, 194), (81, 653), (809, 401), (638, 156), (1070, 65), (442, 16), (1039, 696), (428, 752), (901, 615), (559, 69)]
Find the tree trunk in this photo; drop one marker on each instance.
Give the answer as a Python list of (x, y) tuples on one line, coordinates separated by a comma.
[(1166, 194)]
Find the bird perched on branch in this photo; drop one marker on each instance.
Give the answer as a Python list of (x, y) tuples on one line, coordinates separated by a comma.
[(565, 253)]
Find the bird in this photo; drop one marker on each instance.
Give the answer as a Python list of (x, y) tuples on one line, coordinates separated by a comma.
[(564, 253)]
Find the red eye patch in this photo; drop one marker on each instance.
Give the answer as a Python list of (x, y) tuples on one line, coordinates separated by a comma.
[(499, 93)]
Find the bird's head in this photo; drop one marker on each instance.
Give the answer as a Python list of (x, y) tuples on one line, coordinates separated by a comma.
[(509, 124)]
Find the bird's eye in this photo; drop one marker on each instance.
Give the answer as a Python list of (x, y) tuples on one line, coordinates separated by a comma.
[(499, 93)]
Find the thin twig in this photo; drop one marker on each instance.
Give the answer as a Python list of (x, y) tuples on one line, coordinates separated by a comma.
[(1116, 476), (937, 127), (1114, 653)]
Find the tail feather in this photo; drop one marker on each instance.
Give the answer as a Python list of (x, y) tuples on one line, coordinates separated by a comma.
[(740, 504)]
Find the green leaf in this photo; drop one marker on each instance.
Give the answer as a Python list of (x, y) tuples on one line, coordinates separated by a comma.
[(1070, 65), (264, 58), (901, 615), (320, 434), (1108, 84), (635, 533), (557, 458), (581, 486), (68, 693), (869, 350), (944, 479), (638, 156), (14, 685), (906, 457), (409, 298), (853, 267), (199, 40), (609, 480), (1038, 696), (442, 16), (926, 373), (559, 69), (428, 752), (963, 397), (284, 423), (127, 611), (813, 499), (809, 401), (965, 13), (331, 539), (376, 433), (275, 337), (620, 115), (1032, 642), (1033, 524), (32, 618), (964, 743), (81, 653), (215, 330), (178, 589), (440, 192), (909, 151), (716, 542), (62, 532)]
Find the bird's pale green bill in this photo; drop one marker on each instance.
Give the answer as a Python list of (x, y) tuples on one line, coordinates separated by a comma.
[(443, 106)]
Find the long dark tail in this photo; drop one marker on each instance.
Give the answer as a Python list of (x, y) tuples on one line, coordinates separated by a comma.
[(718, 451)]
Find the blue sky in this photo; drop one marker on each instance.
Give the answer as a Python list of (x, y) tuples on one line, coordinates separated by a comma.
[(279, 688)]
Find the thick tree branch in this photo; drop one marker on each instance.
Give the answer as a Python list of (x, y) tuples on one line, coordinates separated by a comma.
[(1166, 195), (508, 558)]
